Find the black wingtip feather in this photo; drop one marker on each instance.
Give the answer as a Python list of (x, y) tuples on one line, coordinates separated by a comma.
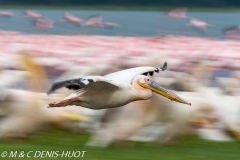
[(146, 73), (73, 84), (56, 86), (164, 67), (151, 73)]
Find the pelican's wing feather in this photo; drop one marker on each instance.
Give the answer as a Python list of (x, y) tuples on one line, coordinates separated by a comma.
[(126, 75), (129, 74), (79, 83)]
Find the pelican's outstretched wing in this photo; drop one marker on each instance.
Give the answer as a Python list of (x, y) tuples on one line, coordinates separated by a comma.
[(129, 74), (79, 83), (88, 87), (126, 75)]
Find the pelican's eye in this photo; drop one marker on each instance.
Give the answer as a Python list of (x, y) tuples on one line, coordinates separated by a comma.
[(147, 80)]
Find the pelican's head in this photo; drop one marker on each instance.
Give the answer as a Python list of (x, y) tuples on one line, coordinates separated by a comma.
[(149, 83)]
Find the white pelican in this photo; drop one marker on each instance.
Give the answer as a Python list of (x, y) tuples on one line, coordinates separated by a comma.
[(23, 113), (113, 90)]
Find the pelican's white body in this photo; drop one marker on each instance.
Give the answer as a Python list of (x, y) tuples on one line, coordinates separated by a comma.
[(110, 97), (112, 90)]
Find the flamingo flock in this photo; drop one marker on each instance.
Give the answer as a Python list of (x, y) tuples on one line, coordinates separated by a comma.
[(62, 51), (181, 13), (96, 21), (43, 22)]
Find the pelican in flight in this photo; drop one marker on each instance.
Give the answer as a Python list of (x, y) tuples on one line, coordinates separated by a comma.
[(113, 90)]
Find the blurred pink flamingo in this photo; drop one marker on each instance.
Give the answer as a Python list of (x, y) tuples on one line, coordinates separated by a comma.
[(32, 14), (71, 18), (96, 21), (44, 24), (199, 24), (6, 14), (178, 13)]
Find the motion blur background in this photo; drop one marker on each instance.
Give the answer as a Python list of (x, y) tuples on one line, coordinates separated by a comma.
[(48, 40)]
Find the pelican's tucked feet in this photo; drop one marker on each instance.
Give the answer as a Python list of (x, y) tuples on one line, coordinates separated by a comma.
[(62, 103)]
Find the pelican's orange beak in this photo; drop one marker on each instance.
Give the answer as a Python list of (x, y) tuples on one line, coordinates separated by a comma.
[(152, 85)]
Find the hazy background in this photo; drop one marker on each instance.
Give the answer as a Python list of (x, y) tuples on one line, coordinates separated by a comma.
[(203, 67)]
